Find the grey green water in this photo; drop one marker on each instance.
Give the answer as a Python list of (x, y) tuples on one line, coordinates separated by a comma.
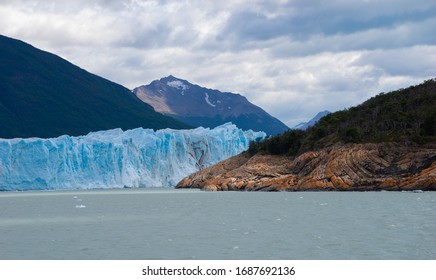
[(189, 224)]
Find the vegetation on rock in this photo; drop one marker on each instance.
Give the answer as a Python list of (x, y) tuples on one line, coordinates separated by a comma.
[(406, 116)]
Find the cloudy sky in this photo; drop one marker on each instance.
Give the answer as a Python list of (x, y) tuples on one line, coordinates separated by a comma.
[(293, 58)]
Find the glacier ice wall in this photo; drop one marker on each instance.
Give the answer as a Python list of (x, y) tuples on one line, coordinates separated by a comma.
[(116, 158)]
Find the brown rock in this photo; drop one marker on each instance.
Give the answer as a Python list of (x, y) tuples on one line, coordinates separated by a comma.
[(351, 167)]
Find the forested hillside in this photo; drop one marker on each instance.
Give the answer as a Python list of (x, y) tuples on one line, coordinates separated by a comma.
[(405, 116)]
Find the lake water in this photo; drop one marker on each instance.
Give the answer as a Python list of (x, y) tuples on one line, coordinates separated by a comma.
[(192, 224)]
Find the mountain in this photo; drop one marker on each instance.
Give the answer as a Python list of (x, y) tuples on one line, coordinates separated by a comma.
[(116, 158), (44, 95), (199, 106), (386, 143), (311, 122)]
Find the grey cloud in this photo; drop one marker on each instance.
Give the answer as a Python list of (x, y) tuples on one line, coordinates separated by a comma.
[(401, 36), (301, 20), (415, 62), (146, 37)]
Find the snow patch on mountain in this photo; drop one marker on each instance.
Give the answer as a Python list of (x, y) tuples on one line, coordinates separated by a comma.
[(178, 85), (206, 97)]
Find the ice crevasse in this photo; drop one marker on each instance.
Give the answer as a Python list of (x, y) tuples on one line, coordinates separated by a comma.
[(116, 158)]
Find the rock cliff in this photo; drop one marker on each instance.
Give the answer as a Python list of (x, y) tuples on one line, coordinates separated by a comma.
[(350, 167)]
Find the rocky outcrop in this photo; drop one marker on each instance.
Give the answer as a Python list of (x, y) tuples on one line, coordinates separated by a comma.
[(351, 167)]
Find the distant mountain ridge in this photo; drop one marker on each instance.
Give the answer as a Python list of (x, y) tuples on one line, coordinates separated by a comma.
[(43, 95), (199, 106), (311, 122)]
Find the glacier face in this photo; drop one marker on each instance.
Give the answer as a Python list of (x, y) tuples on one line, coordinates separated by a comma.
[(116, 158)]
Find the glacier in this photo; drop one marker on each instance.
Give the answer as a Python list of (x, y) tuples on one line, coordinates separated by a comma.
[(116, 158)]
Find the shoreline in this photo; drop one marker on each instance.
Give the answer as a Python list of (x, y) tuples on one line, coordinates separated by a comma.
[(349, 167)]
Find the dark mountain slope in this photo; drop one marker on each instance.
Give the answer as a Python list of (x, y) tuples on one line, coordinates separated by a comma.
[(44, 95), (199, 106)]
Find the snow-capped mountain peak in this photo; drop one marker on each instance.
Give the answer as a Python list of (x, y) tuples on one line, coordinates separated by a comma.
[(200, 106)]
